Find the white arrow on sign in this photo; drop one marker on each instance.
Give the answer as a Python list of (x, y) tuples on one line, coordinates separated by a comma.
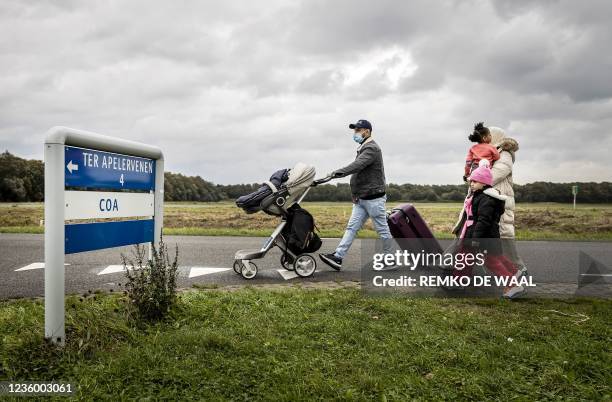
[(71, 166)]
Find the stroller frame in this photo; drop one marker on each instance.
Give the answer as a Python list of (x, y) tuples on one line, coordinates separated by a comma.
[(304, 265)]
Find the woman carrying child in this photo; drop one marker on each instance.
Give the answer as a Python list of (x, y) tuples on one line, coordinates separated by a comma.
[(502, 181)]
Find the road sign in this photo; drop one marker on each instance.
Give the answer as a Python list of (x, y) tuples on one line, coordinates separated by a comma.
[(106, 204), (574, 190), (77, 162), (89, 168)]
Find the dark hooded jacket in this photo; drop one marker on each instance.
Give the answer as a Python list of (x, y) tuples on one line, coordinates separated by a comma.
[(488, 206)]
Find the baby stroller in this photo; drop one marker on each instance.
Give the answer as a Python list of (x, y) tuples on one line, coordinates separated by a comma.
[(294, 236)]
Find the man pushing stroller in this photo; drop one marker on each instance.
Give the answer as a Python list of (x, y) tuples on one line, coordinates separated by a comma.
[(368, 193)]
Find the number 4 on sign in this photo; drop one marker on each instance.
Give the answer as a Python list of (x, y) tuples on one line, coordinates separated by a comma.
[(121, 180)]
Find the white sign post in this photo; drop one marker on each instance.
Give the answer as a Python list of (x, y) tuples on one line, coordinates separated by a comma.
[(575, 193), (77, 162)]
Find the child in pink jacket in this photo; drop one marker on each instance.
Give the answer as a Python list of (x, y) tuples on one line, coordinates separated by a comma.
[(480, 231), (481, 150)]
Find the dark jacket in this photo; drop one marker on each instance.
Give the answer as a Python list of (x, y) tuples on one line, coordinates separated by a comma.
[(487, 207), (367, 170)]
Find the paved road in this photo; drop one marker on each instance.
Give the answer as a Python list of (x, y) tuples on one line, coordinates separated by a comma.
[(208, 260)]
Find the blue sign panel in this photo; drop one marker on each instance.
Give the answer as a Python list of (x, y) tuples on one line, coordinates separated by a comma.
[(99, 235), (106, 170)]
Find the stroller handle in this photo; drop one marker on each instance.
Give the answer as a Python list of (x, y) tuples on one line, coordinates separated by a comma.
[(321, 181)]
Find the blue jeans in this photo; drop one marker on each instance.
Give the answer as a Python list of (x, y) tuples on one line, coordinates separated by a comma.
[(363, 210)]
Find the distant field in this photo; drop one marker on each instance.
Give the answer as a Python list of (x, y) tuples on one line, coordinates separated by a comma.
[(533, 221)]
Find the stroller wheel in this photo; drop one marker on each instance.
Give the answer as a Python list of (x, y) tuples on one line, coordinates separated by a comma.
[(249, 270), (305, 265), (237, 266), (286, 262)]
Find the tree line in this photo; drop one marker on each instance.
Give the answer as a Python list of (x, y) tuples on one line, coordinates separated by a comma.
[(23, 180)]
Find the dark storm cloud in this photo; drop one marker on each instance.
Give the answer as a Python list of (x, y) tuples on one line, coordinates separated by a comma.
[(532, 47), (235, 90)]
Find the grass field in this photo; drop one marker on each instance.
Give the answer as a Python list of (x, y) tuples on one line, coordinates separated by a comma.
[(533, 221), (318, 344)]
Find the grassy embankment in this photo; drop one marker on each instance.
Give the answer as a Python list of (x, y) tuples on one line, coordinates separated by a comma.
[(323, 344)]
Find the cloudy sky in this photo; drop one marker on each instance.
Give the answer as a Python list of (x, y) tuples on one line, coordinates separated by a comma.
[(234, 90)]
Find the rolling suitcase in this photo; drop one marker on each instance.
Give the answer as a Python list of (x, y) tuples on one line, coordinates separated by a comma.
[(406, 223)]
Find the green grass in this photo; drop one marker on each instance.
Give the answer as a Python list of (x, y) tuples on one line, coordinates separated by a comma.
[(534, 221), (319, 344), (22, 229)]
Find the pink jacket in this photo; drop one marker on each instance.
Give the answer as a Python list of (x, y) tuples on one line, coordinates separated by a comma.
[(479, 152)]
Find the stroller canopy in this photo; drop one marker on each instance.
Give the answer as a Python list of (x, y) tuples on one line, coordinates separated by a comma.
[(300, 178)]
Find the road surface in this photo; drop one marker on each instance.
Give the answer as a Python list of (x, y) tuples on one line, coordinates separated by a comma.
[(208, 260)]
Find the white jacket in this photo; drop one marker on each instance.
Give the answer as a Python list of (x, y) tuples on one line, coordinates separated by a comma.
[(502, 181)]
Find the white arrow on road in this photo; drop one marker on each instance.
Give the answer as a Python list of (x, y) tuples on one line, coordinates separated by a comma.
[(71, 166), (193, 271), (112, 269), (35, 265), (199, 271)]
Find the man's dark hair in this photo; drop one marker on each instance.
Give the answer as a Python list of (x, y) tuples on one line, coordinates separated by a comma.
[(480, 131)]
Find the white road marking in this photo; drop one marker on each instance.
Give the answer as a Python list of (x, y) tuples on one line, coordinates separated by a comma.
[(596, 274), (34, 265), (112, 269), (287, 274), (199, 271)]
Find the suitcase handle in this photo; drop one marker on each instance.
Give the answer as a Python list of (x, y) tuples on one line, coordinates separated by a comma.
[(400, 210)]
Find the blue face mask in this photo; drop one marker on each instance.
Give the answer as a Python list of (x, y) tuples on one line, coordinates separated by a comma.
[(357, 138)]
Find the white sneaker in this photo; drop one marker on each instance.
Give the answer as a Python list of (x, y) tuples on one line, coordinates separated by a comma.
[(513, 291)]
